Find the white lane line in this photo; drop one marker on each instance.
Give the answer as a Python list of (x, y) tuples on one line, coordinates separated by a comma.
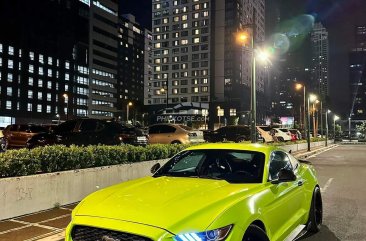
[(314, 155), (324, 189)]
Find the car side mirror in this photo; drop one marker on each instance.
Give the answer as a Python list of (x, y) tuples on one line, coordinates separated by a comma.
[(285, 175), (155, 168)]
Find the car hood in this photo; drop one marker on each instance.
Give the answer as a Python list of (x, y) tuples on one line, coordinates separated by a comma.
[(165, 202)]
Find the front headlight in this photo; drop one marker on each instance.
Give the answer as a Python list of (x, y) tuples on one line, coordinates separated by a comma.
[(211, 235)]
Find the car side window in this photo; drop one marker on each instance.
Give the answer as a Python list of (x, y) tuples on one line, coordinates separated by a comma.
[(88, 125), (13, 128), (278, 161), (154, 129), (167, 129)]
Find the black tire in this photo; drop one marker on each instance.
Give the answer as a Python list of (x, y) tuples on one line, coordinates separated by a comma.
[(3, 144), (280, 139), (241, 139), (255, 233), (316, 212), (176, 142)]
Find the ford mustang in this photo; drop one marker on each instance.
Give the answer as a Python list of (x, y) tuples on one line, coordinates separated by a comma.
[(233, 192)]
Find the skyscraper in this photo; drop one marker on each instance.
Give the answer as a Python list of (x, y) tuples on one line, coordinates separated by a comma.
[(134, 63), (57, 61), (357, 60), (197, 62), (103, 58), (320, 60)]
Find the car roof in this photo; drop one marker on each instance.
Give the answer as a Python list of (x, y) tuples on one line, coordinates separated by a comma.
[(235, 146)]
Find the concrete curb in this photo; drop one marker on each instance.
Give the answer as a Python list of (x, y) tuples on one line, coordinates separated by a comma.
[(310, 153)]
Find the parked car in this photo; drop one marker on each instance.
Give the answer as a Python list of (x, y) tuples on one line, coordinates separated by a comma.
[(264, 132), (88, 132), (296, 134), (166, 133), (282, 134), (231, 192), (130, 134), (238, 133), (18, 135)]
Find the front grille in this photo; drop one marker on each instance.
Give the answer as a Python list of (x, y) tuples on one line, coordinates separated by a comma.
[(83, 233)]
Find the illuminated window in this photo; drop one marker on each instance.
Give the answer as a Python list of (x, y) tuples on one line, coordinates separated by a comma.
[(30, 94), (8, 105), (10, 64)]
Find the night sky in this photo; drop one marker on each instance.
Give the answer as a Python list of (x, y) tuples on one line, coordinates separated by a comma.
[(339, 16)]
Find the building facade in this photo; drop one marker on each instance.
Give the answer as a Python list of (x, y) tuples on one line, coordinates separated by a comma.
[(357, 70), (320, 61), (197, 63), (134, 68), (58, 61)]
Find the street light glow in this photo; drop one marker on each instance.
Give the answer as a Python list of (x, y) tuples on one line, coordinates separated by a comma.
[(263, 55), (299, 86), (242, 38), (312, 97), (336, 118), (130, 103), (65, 96)]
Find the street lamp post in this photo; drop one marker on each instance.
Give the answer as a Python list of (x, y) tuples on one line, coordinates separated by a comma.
[(67, 105), (128, 111), (334, 125), (321, 119), (298, 87), (311, 98), (162, 90), (219, 115), (349, 128), (326, 127)]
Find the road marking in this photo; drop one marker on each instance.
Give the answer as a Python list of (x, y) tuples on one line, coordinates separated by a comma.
[(324, 189), (328, 149)]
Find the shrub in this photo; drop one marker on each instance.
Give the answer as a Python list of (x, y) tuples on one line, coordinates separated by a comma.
[(57, 158)]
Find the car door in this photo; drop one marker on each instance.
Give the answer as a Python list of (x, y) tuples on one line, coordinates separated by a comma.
[(154, 134), (284, 210), (88, 133), (10, 133)]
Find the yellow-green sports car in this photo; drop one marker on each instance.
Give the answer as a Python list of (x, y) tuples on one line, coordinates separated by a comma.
[(233, 192)]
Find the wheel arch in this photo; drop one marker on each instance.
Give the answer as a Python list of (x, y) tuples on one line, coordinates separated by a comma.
[(260, 224)]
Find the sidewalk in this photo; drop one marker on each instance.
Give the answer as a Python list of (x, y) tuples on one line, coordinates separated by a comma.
[(50, 225), (45, 225)]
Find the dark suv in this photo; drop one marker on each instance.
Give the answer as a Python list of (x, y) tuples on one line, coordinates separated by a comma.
[(228, 133), (88, 132)]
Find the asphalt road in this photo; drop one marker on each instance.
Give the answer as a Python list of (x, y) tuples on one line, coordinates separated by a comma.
[(342, 177)]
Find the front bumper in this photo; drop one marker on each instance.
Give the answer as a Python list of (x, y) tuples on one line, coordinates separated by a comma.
[(149, 232)]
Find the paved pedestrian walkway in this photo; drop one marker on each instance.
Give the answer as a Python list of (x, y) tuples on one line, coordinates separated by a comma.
[(37, 226)]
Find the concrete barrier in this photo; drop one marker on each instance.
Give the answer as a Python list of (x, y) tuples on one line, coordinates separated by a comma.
[(28, 194), (23, 195)]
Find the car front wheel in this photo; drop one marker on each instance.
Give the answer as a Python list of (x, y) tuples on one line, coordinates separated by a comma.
[(316, 212), (255, 233)]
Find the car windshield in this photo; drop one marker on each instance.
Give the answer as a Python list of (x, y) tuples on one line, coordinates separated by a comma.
[(284, 130), (230, 165), (187, 128)]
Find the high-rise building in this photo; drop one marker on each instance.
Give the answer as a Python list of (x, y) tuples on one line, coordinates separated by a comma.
[(320, 60), (134, 63), (43, 60), (197, 63), (103, 58), (357, 60), (57, 61)]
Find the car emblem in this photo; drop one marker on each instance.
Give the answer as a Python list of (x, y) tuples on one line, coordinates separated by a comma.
[(107, 238)]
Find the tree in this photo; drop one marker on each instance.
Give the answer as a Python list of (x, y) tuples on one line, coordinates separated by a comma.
[(361, 128)]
